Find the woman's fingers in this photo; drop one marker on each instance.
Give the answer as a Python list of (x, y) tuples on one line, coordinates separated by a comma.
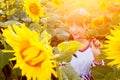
[(97, 43)]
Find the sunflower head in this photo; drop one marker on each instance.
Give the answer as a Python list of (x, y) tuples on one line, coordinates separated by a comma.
[(97, 22), (33, 9), (113, 47), (32, 54), (103, 4), (57, 3)]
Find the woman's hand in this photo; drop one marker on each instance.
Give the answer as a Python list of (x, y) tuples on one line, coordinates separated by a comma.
[(96, 45)]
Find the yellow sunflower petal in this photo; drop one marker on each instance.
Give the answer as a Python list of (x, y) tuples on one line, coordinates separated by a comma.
[(113, 47), (32, 55)]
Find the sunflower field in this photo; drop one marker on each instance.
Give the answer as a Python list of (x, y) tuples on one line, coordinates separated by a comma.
[(34, 38)]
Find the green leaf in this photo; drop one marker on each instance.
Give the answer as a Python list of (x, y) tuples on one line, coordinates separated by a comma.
[(69, 47), (4, 59), (110, 76), (61, 33), (66, 49), (11, 22), (16, 72), (2, 77), (101, 72), (68, 73), (63, 57), (45, 37)]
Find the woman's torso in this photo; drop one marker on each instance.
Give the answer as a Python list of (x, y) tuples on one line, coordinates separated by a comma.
[(82, 62)]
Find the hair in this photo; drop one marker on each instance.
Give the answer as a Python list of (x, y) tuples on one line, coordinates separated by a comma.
[(79, 16)]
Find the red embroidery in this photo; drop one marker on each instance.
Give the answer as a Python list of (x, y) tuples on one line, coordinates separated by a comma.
[(82, 50)]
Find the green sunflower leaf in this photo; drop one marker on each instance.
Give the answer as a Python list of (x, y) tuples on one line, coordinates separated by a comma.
[(105, 73), (69, 47), (68, 73), (66, 49), (45, 36), (4, 59)]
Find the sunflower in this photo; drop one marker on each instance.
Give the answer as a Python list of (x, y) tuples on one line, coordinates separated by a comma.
[(113, 47), (33, 9), (32, 54), (11, 1), (103, 4), (57, 3), (98, 21)]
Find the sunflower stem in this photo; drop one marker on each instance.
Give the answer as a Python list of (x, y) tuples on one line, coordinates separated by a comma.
[(59, 71), (11, 65)]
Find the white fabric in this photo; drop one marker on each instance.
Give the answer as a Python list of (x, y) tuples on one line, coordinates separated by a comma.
[(82, 62)]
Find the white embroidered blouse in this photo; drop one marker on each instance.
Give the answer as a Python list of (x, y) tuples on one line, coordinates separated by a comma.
[(83, 61)]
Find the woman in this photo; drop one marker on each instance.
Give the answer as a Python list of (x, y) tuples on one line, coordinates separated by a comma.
[(83, 59)]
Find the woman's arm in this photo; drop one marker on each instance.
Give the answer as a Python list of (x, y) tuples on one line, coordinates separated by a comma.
[(96, 45)]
